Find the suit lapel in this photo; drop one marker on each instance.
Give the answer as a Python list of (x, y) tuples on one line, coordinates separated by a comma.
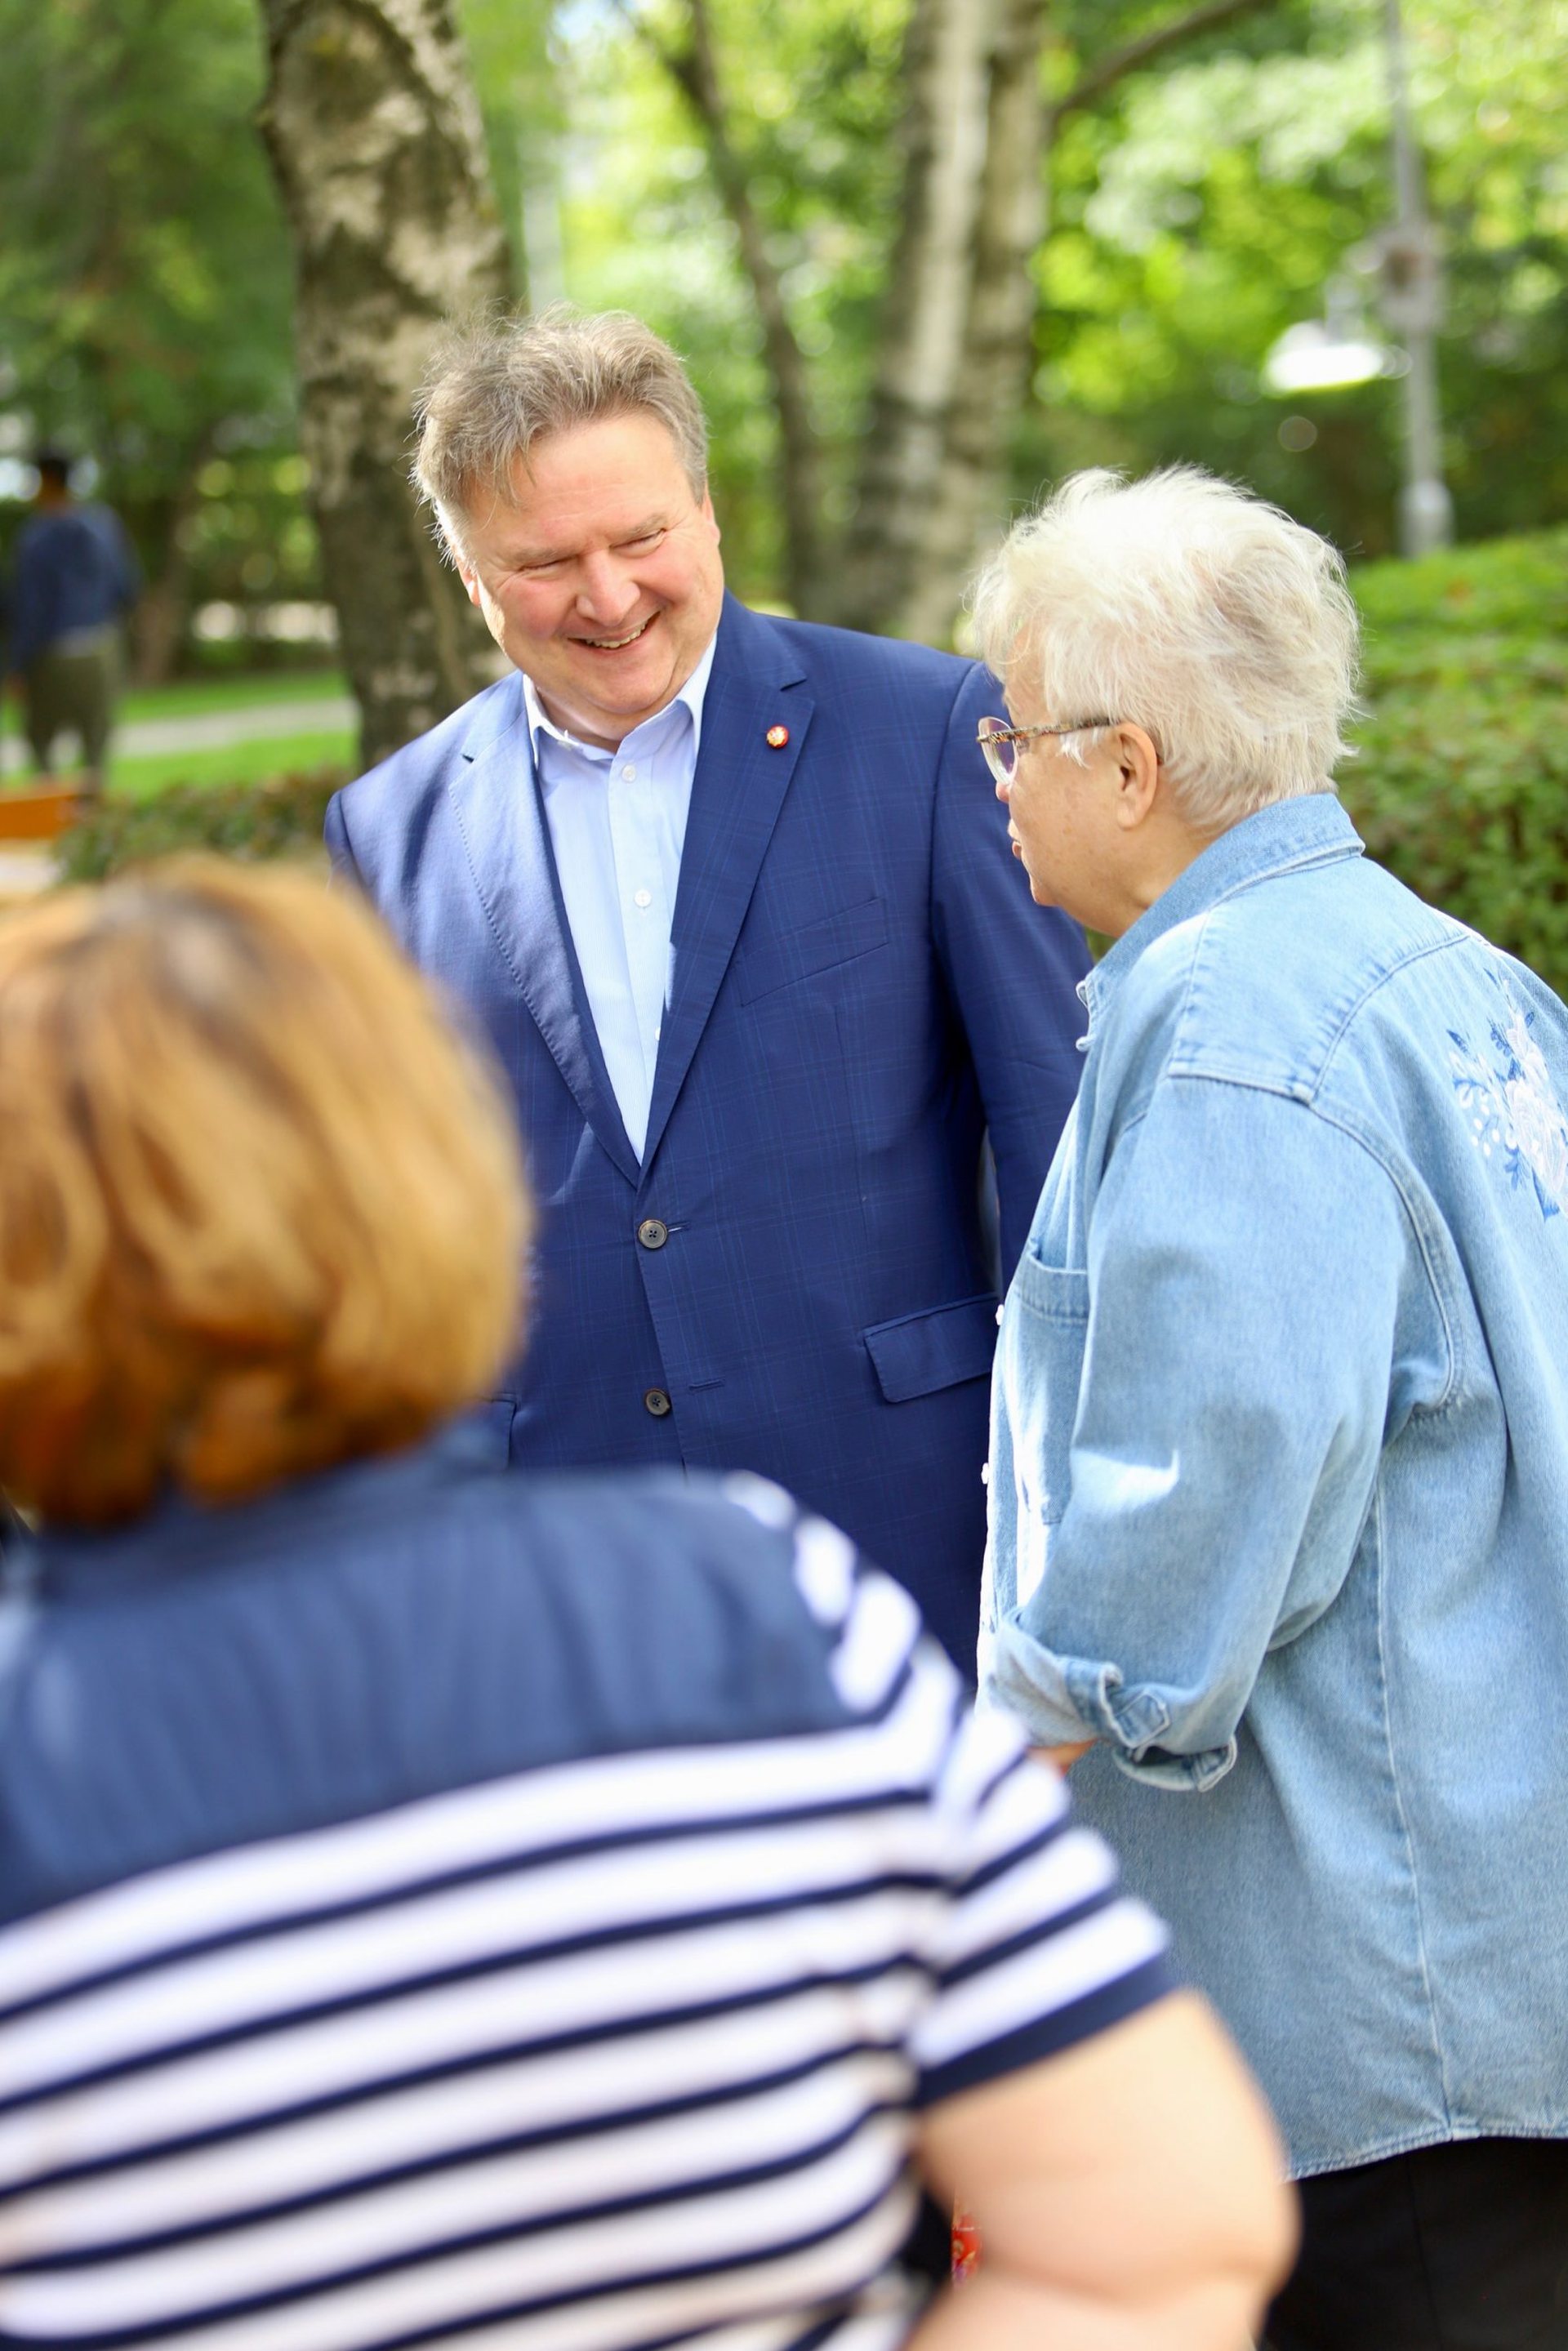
[(507, 842), (736, 792)]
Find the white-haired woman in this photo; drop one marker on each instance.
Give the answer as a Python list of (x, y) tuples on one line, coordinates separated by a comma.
[(1280, 1464)]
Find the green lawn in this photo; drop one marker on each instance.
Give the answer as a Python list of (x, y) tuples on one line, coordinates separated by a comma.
[(197, 698), (240, 763), (194, 697), (252, 762)]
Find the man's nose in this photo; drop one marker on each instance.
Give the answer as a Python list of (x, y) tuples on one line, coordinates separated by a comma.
[(1004, 789), (605, 590)]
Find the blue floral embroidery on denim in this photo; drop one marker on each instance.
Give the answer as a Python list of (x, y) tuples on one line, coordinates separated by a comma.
[(1514, 1114)]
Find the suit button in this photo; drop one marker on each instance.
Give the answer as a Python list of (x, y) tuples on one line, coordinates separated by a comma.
[(653, 1232), (656, 1401)]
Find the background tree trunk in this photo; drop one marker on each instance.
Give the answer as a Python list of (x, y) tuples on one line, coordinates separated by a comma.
[(694, 68), (162, 609), (926, 308), (956, 340), (376, 139), (967, 502)]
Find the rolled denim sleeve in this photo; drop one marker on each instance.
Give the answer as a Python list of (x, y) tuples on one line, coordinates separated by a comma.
[(1200, 1501)]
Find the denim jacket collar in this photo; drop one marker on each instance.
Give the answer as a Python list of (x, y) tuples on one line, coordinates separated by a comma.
[(1308, 830)]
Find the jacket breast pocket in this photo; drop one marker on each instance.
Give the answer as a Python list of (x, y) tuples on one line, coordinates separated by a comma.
[(1044, 1333), (918, 1354), (484, 1433), (817, 947)]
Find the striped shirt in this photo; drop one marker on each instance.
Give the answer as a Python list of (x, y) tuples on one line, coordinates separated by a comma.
[(387, 1962)]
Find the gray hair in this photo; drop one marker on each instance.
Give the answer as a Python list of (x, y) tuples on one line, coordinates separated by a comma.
[(498, 385), (1195, 611)]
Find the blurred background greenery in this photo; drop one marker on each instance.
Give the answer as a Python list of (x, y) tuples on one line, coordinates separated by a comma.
[(1193, 208)]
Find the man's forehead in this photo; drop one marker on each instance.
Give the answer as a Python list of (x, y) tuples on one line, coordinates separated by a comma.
[(559, 494), (546, 528)]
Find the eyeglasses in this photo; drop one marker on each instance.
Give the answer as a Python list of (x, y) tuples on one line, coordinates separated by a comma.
[(999, 741)]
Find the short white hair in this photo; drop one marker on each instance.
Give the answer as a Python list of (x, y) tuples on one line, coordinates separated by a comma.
[(1192, 609)]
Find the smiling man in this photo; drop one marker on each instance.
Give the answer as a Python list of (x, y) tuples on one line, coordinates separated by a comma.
[(731, 897)]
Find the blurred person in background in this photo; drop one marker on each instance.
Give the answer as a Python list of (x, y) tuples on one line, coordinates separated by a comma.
[(1280, 1441), (449, 1907), (728, 895), (75, 578)]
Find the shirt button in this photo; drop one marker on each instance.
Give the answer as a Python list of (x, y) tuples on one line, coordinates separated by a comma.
[(985, 1473), (656, 1401), (653, 1232), (999, 1317), (641, 897), (630, 772)]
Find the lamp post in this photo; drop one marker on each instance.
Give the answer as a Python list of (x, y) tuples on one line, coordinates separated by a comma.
[(1338, 350), (1411, 305)]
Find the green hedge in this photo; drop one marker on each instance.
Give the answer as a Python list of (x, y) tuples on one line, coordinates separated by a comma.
[(281, 818), (1461, 787)]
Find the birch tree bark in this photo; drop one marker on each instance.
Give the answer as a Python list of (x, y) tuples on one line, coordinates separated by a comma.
[(694, 68), (956, 345), (926, 309), (375, 136), (967, 500), (930, 498)]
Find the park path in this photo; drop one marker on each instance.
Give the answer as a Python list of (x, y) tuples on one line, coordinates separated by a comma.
[(214, 730), (26, 869)]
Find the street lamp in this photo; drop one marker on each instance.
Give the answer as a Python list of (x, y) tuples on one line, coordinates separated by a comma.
[(1413, 305), (1330, 353)]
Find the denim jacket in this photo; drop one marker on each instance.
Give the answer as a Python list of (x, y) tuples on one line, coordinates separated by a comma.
[(1279, 1481)]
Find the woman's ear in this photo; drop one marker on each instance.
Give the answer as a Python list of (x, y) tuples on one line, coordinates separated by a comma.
[(1137, 776)]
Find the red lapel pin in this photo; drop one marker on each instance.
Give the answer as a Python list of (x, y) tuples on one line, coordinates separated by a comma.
[(776, 738)]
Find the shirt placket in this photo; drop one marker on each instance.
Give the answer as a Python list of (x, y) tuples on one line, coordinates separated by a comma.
[(639, 886)]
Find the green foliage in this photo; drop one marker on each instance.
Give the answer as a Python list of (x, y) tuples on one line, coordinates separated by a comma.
[(813, 100), (1197, 210), (1203, 208), (1461, 787), (146, 282), (282, 817)]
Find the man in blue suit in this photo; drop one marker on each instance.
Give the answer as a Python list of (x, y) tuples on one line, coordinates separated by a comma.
[(731, 897)]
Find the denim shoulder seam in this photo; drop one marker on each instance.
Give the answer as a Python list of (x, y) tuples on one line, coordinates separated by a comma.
[(1413, 955), (1369, 1146)]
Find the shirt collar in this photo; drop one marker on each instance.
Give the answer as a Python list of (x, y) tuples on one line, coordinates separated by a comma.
[(1309, 829), (691, 695)]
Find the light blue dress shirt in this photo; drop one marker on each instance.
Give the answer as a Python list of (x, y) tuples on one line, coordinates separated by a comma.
[(1279, 1481), (617, 824)]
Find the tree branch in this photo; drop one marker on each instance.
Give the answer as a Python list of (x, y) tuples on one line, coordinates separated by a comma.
[(695, 72), (1105, 74)]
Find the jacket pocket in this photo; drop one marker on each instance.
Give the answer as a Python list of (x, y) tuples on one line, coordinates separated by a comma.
[(918, 1354), (1047, 1327), (834, 938), (486, 1433)]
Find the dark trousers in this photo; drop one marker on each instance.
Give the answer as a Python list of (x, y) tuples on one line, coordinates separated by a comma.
[(71, 693), (1456, 2248)]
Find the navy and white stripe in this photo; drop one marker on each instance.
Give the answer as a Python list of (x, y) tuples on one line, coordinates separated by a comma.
[(620, 2050)]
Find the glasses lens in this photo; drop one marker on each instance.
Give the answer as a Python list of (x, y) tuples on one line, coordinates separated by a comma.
[(1000, 750)]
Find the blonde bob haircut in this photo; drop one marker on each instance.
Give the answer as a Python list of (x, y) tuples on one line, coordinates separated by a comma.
[(260, 1210), (1191, 609)]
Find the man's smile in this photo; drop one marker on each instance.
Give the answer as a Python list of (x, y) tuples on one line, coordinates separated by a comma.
[(617, 645)]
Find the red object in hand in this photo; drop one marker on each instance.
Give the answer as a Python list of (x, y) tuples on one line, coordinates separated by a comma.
[(966, 2245)]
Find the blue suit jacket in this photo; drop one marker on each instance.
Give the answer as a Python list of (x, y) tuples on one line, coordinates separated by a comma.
[(862, 986)]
